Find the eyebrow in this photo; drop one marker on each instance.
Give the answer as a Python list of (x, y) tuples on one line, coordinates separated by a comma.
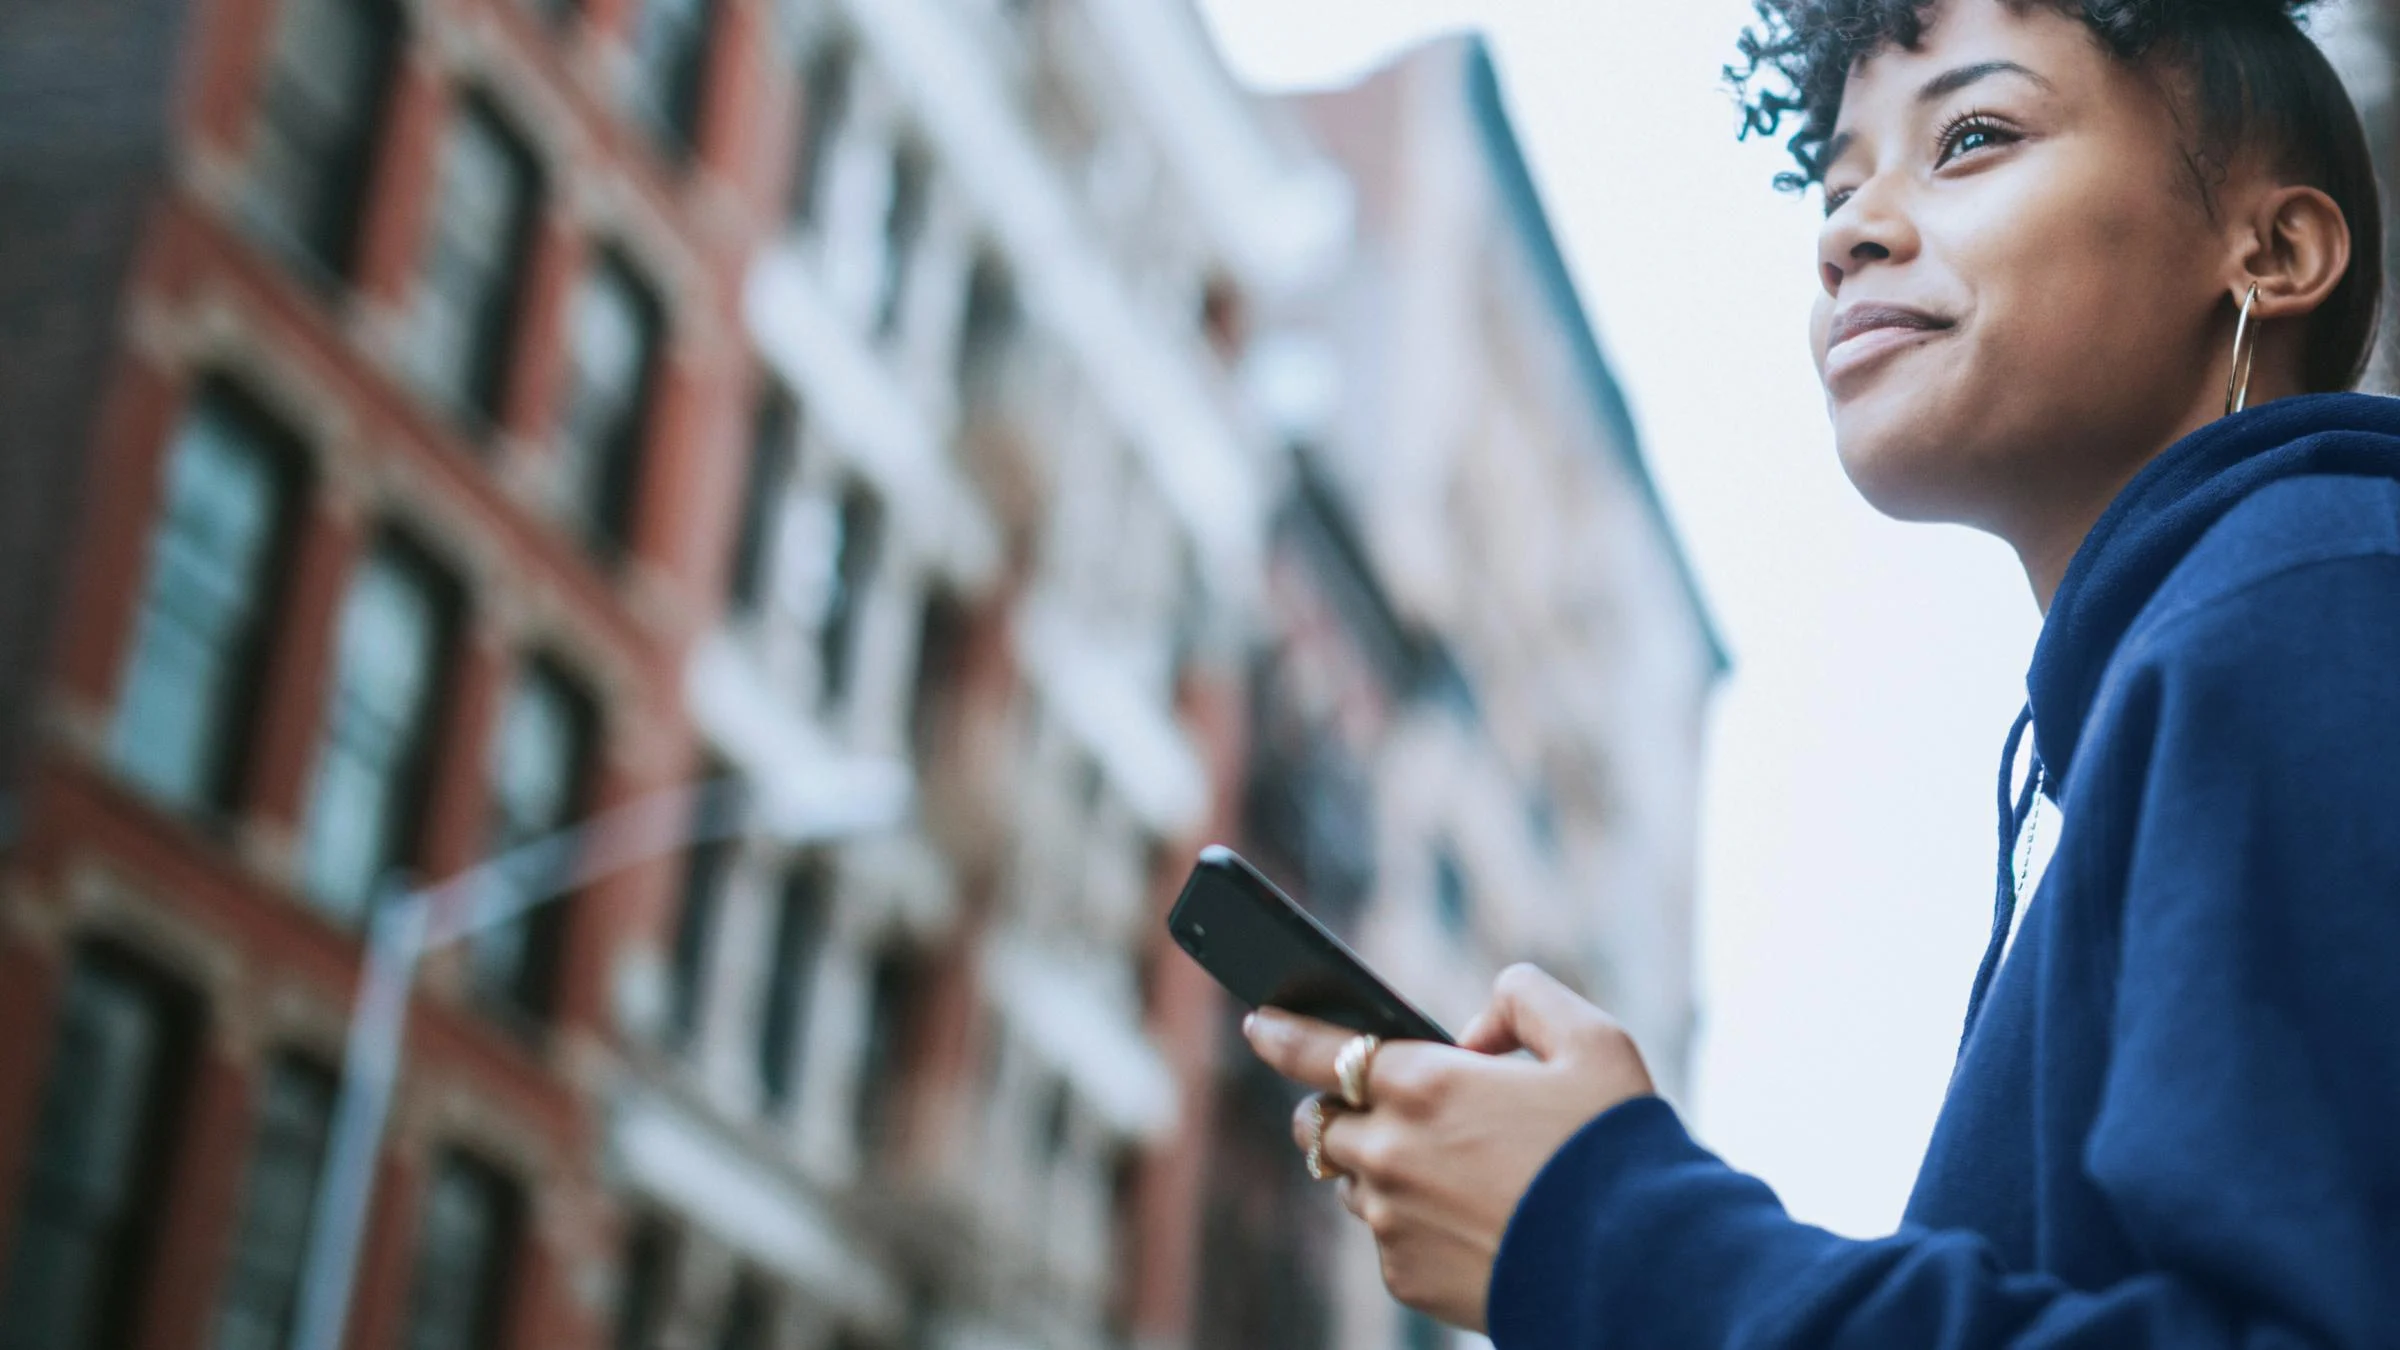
[(1950, 82), (1941, 86)]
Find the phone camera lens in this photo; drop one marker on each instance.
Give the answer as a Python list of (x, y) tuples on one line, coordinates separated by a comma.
[(1195, 939)]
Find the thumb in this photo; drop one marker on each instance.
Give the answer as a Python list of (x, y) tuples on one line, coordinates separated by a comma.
[(1532, 1011)]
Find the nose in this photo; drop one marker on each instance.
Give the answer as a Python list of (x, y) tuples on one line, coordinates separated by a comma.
[(1871, 227)]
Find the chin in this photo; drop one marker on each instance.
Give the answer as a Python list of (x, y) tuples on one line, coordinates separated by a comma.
[(1902, 458)]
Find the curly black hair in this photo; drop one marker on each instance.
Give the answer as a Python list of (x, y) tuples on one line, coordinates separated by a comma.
[(2254, 79)]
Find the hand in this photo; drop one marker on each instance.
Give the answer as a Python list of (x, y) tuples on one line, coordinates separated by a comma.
[(1453, 1137)]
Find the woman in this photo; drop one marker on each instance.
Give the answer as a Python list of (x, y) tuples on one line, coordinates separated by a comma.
[(2065, 240)]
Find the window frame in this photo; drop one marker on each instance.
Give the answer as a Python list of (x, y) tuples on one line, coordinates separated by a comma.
[(342, 168), (284, 1299), (410, 773), (231, 724), (492, 317), (126, 1242), (676, 114), (803, 921), (525, 993), (496, 1276), (605, 477)]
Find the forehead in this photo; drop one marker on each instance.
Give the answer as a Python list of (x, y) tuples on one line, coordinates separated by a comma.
[(1961, 33)]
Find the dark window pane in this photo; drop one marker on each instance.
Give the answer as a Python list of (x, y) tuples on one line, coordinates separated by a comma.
[(800, 915), (464, 1241), (990, 324), (903, 226), (611, 352), (892, 1002), (771, 455), (671, 55), (647, 1291), (314, 143), (379, 720), (186, 698), (857, 545), (91, 1197), (539, 756), (941, 655), (474, 263), (825, 100), (295, 1117), (708, 866), (1058, 1124), (1450, 902), (749, 1316)]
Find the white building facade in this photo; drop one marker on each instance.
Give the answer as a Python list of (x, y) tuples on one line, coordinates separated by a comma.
[(916, 1079)]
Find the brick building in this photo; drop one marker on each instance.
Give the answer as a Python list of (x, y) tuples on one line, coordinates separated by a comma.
[(370, 467)]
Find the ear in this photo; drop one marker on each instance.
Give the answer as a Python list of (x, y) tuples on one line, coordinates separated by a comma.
[(2295, 248)]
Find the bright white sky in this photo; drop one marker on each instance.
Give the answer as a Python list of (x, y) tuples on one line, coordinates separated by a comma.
[(1846, 871)]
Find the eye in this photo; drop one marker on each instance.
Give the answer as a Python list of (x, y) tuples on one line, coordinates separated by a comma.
[(1968, 133), (1837, 198)]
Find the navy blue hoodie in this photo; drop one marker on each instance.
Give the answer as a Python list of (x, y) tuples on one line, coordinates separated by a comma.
[(2175, 1119)]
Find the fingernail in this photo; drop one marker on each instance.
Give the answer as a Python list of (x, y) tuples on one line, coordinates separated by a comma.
[(1249, 1023)]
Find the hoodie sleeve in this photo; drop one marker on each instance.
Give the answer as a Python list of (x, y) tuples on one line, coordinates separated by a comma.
[(2248, 1136)]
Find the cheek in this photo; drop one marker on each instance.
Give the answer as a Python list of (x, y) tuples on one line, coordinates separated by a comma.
[(2082, 286)]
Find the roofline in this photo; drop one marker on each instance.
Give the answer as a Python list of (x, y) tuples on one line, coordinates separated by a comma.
[(1515, 179)]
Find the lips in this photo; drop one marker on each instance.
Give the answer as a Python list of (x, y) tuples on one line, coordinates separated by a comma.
[(1858, 320)]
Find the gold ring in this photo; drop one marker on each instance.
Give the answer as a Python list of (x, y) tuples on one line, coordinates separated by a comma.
[(1350, 1068), (1314, 1157)]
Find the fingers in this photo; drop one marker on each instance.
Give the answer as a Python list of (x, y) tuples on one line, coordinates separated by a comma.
[(1532, 1011), (1489, 1034), (1300, 1048), (1353, 1144)]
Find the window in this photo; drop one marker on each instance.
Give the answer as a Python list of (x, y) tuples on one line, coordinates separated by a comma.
[(800, 915), (647, 1292), (749, 1315), (295, 1117), (858, 540), (824, 99), (313, 149), (708, 868), (189, 689), (892, 1000), (1058, 1124), (903, 226), (539, 758), (941, 656), (611, 352), (474, 264), (464, 1254), (1450, 899), (388, 659), (1419, 1332), (92, 1195), (671, 59), (773, 438), (989, 326)]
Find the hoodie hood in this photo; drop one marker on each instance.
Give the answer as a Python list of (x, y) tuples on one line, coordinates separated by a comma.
[(2153, 523), (2158, 518)]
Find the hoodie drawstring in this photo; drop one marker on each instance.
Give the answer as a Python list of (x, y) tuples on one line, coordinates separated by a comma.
[(2014, 808)]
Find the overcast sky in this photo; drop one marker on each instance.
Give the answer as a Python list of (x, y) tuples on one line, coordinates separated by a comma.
[(1847, 855)]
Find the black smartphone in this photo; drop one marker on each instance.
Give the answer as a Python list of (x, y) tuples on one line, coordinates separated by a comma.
[(1269, 953)]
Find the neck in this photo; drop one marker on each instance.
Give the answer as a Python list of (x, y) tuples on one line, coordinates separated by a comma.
[(2049, 536)]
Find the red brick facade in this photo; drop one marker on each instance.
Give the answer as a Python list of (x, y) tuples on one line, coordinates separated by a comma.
[(214, 908)]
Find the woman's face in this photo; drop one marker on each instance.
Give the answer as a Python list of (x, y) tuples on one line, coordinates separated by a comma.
[(2022, 289)]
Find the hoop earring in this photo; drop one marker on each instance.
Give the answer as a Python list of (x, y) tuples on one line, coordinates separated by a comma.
[(2245, 352)]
